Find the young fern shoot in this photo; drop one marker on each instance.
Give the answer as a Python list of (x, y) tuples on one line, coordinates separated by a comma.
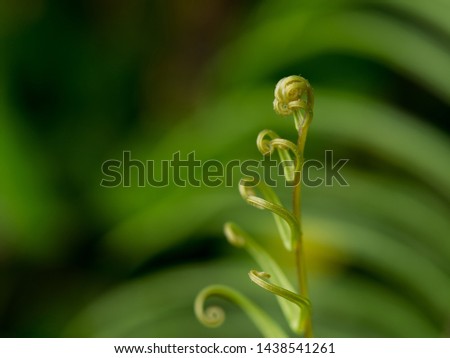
[(293, 96)]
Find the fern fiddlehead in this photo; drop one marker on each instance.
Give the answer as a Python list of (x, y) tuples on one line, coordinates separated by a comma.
[(293, 96)]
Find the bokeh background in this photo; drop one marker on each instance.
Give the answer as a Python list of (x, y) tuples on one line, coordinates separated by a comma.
[(82, 81)]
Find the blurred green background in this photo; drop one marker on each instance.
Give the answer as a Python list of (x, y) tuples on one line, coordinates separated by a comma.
[(82, 81)]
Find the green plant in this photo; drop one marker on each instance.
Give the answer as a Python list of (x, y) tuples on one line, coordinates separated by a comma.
[(293, 95)]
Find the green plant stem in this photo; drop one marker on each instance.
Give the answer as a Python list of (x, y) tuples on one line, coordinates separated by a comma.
[(297, 210)]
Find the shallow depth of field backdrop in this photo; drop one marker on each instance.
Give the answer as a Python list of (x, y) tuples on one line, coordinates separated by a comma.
[(82, 81)]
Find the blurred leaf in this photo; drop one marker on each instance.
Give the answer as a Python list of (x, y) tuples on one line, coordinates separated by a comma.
[(31, 215), (366, 305), (300, 33), (396, 262)]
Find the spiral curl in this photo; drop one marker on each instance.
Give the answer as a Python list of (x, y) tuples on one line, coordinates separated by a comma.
[(267, 146), (297, 323), (234, 235), (268, 141), (286, 222), (292, 94), (273, 204), (214, 316)]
